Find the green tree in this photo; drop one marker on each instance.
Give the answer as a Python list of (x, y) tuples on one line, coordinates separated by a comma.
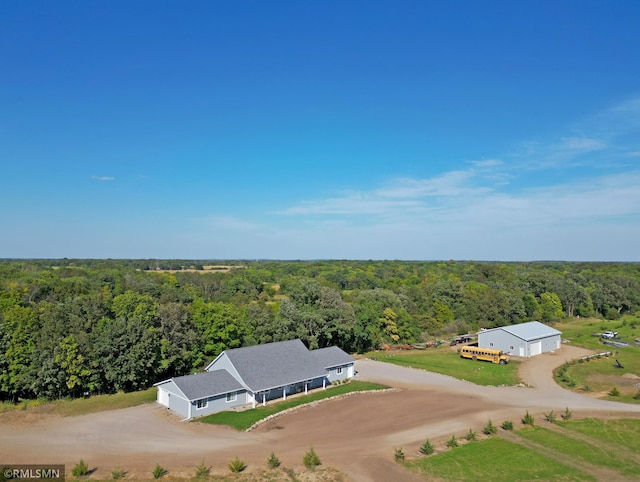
[(550, 307), (72, 363), (317, 315), (20, 326), (221, 326), (129, 353), (531, 307), (388, 325), (178, 337)]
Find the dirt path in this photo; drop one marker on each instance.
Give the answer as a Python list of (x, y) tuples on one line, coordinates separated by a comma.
[(357, 435)]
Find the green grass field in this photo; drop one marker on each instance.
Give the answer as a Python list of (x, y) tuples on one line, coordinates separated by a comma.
[(624, 432), (81, 406), (447, 362), (611, 444), (604, 454), (493, 459), (244, 420), (600, 375)]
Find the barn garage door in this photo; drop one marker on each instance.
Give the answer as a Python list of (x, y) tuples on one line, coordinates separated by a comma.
[(163, 397), (536, 348)]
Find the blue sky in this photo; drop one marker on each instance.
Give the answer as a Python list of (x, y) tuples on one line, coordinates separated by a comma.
[(320, 129)]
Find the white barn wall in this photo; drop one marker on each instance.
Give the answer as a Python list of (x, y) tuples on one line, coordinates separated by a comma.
[(499, 339)]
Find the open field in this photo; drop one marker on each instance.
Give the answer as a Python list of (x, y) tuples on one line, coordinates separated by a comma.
[(598, 376), (494, 459), (445, 360), (205, 269), (611, 456), (586, 449), (82, 406)]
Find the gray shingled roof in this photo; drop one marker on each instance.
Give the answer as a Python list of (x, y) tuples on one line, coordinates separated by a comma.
[(331, 357), (275, 364), (208, 384)]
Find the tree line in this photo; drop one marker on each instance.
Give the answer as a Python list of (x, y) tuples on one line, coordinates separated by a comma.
[(72, 326)]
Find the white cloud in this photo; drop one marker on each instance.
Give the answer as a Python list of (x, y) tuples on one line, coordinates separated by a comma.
[(103, 178), (487, 163), (492, 210), (578, 145)]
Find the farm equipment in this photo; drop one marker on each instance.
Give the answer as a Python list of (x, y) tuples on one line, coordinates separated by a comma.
[(618, 364)]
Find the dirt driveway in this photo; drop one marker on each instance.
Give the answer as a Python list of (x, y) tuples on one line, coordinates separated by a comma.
[(357, 435)]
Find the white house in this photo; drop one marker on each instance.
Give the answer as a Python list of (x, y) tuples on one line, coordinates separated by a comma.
[(525, 339)]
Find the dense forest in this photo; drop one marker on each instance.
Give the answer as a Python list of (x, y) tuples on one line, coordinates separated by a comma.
[(71, 326)]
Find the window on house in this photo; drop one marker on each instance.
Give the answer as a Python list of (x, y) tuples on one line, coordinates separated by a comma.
[(490, 344), (232, 397), (202, 403), (339, 371), (511, 348)]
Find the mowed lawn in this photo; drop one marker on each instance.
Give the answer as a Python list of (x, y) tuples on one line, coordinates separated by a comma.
[(448, 362), (612, 444), (591, 450), (493, 459), (245, 419)]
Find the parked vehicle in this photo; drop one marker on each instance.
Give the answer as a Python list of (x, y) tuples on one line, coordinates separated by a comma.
[(610, 334), (485, 354)]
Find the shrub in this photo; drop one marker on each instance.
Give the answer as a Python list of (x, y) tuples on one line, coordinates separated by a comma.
[(273, 461), (427, 448), (550, 417), (471, 435), (311, 459), (398, 455), (586, 388), (202, 471), (118, 473), (80, 469), (452, 442), (528, 419), (507, 425), (237, 465), (614, 392), (490, 428), (159, 471), (567, 414), (637, 396)]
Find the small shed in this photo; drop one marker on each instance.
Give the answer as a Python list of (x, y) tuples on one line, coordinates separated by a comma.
[(525, 339)]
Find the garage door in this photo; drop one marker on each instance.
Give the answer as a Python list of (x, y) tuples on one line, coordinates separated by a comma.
[(163, 397), (536, 348)]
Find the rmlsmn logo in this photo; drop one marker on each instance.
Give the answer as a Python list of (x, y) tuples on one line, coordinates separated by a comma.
[(31, 472)]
